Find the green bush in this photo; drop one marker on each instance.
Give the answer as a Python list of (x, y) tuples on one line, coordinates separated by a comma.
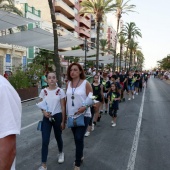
[(24, 79)]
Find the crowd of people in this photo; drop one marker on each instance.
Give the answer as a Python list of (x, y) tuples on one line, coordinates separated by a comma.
[(109, 91), (107, 88)]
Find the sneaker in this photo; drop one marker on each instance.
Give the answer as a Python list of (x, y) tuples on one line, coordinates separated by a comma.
[(87, 134), (92, 128), (133, 97), (76, 168), (106, 112), (42, 168), (114, 124), (61, 157), (99, 117), (129, 99), (136, 93), (101, 112)]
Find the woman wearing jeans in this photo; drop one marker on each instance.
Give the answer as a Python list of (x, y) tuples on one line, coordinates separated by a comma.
[(77, 91), (53, 117)]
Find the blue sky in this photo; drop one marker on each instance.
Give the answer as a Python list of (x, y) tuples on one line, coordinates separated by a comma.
[(153, 20)]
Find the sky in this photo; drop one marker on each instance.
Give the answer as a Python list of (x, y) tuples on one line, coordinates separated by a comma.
[(152, 18)]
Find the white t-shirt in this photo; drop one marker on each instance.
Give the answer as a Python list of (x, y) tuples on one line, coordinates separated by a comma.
[(10, 109), (52, 98)]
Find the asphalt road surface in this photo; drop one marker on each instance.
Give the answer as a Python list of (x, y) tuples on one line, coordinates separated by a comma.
[(140, 141)]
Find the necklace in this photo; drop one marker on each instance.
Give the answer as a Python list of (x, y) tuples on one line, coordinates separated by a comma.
[(72, 97)]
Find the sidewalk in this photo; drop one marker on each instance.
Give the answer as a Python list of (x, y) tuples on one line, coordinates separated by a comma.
[(167, 81)]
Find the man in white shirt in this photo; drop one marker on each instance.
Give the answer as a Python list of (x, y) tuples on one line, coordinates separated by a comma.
[(10, 123)]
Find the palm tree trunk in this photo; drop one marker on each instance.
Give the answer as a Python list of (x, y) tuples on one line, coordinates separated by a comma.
[(97, 49), (118, 21), (120, 59), (134, 58), (114, 60), (56, 58), (130, 64)]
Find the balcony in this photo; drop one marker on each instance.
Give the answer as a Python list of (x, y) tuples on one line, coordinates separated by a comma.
[(64, 21), (84, 32), (70, 2), (85, 22), (61, 6)]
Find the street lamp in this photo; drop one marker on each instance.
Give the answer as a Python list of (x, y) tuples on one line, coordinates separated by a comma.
[(86, 49)]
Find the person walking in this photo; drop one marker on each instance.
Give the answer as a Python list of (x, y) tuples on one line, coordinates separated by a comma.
[(114, 97), (98, 93), (122, 79), (54, 98), (77, 91), (44, 82), (136, 84), (106, 87), (130, 82), (10, 124)]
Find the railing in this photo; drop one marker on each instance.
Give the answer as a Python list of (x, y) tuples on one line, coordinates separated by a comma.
[(85, 21), (64, 4), (85, 31), (68, 20)]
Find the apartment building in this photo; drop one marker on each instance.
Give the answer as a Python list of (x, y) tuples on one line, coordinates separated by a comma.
[(11, 55), (111, 37)]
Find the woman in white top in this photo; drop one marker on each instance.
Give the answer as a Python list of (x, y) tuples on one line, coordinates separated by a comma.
[(53, 117), (77, 91)]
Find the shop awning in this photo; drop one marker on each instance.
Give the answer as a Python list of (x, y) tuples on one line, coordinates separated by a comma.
[(10, 20), (39, 38), (78, 53), (101, 58)]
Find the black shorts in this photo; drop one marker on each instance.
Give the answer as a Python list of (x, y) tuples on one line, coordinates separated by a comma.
[(106, 100), (112, 112), (99, 98)]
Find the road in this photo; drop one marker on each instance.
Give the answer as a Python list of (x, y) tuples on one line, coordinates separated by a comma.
[(140, 141)]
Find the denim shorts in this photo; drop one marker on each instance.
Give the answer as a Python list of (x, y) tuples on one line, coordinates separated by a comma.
[(130, 87)]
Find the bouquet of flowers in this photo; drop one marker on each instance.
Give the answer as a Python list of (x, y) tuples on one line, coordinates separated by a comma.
[(133, 80), (44, 106), (90, 100), (113, 96)]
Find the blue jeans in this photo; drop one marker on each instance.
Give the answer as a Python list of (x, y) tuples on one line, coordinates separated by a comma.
[(46, 131), (79, 133)]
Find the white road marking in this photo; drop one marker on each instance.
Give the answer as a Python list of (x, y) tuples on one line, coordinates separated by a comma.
[(29, 125), (132, 157)]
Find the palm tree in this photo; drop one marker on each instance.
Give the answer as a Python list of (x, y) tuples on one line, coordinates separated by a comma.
[(140, 59), (135, 48), (8, 5), (56, 58), (121, 8), (103, 44), (97, 8), (45, 58), (131, 31), (122, 41)]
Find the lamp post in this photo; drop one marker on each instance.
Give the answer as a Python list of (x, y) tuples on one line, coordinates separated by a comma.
[(86, 50)]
